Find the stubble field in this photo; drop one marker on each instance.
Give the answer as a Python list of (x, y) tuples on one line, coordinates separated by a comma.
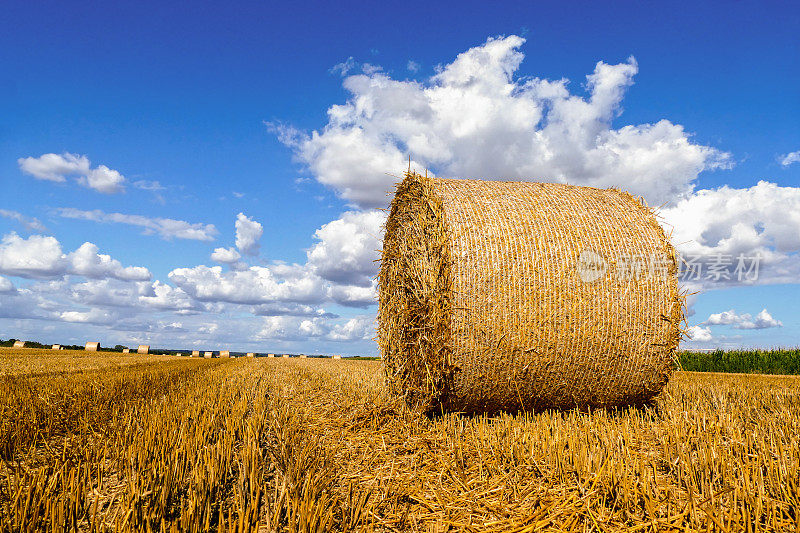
[(161, 443)]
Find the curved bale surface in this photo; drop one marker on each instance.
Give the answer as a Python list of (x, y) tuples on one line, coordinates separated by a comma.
[(518, 295)]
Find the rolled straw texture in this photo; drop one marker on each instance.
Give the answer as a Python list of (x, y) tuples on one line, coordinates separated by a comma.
[(482, 306)]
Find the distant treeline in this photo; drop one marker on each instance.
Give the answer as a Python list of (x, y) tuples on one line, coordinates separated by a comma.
[(782, 361)]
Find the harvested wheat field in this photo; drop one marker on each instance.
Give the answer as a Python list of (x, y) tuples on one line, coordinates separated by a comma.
[(320, 445)]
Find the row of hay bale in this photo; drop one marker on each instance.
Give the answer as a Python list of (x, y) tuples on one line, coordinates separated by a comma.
[(144, 349)]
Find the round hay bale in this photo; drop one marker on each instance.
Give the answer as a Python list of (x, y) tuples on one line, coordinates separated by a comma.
[(519, 295)]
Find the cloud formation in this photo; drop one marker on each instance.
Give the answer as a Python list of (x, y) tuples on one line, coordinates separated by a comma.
[(762, 320), (724, 224), (293, 329), (348, 248), (55, 167), (166, 228), (788, 159), (41, 257), (474, 118), (225, 255), (248, 235), (29, 223), (699, 334), (6, 286)]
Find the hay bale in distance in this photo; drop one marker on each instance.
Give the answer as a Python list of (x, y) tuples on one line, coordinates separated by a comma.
[(286, 356), (303, 356), (270, 355), (19, 344), (92, 346), (515, 295), (126, 350), (337, 356), (195, 353), (143, 349), (208, 355), (225, 353), (56, 347), (251, 354)]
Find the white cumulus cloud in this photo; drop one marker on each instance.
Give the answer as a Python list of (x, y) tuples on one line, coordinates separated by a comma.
[(699, 334), (474, 118), (6, 286), (86, 261), (725, 224), (248, 234), (55, 167), (358, 328), (225, 255), (348, 248), (41, 256), (762, 320)]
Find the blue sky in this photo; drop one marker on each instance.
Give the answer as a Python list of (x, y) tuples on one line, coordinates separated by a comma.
[(204, 113)]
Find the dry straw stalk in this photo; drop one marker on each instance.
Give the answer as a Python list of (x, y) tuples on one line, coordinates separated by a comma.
[(482, 306)]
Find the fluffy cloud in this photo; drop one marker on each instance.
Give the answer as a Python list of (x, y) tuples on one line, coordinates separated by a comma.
[(86, 261), (6, 286), (791, 157), (248, 233), (762, 320), (225, 255), (55, 167), (348, 248), (474, 118), (40, 256), (166, 228), (254, 285), (103, 179), (30, 224), (341, 267), (721, 225), (699, 334), (92, 316), (290, 328)]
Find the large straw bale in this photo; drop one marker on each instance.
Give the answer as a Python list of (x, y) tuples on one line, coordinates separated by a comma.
[(56, 347), (519, 295), (208, 355), (19, 344), (143, 349), (337, 356), (251, 354), (270, 355), (195, 353), (225, 353), (92, 346), (286, 356), (126, 350)]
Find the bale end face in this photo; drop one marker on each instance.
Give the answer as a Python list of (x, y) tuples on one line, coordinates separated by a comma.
[(512, 295)]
